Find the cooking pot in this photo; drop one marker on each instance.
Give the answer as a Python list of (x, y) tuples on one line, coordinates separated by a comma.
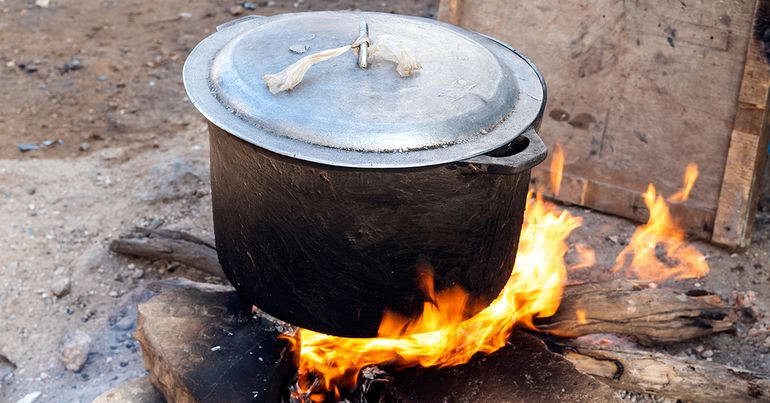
[(329, 197)]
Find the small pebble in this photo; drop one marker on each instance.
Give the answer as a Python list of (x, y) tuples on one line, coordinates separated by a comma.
[(236, 10), (30, 397), (74, 349), (113, 294), (249, 5), (707, 353), (85, 146), (125, 324), (60, 286), (73, 64), (699, 349)]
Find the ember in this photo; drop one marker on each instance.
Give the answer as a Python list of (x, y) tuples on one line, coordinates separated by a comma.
[(442, 336)]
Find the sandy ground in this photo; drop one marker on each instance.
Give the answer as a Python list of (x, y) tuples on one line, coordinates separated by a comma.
[(135, 151)]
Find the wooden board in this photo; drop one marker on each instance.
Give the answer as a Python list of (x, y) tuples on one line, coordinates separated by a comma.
[(639, 89)]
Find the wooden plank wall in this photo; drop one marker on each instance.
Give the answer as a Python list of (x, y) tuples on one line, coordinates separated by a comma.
[(637, 90)]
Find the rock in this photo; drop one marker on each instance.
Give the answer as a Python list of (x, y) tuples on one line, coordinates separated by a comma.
[(174, 180), (707, 354), (29, 398), (43, 3), (125, 324), (85, 146), (73, 64), (177, 330), (74, 350), (236, 10), (139, 390), (60, 286), (89, 261), (6, 368), (248, 5)]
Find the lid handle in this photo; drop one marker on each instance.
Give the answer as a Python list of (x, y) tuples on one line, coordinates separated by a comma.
[(387, 48), (363, 47)]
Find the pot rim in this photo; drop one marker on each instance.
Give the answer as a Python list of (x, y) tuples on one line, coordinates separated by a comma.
[(527, 111)]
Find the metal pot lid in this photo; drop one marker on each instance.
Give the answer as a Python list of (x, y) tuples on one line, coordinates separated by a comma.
[(473, 94)]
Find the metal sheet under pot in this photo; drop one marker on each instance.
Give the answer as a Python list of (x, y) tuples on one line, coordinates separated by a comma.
[(329, 198)]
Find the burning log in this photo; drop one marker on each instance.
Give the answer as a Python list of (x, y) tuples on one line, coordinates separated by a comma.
[(653, 315), (169, 245), (630, 368), (638, 308)]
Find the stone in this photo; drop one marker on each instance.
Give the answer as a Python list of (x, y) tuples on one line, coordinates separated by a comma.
[(236, 10), (73, 64), (125, 324), (29, 398), (89, 261), (179, 329), (139, 390), (74, 349), (175, 180), (60, 286), (85, 146), (6, 369)]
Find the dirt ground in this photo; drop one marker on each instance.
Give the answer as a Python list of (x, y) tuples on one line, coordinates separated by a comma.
[(105, 78)]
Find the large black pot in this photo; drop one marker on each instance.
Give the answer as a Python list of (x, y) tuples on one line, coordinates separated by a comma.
[(322, 219)]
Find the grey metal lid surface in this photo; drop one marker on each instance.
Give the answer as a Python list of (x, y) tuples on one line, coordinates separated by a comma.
[(472, 95)]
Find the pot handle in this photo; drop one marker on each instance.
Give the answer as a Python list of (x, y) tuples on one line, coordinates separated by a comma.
[(534, 153)]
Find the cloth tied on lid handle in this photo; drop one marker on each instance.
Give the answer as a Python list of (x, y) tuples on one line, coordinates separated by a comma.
[(387, 47)]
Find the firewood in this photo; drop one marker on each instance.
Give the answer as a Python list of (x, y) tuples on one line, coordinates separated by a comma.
[(634, 369), (175, 246), (638, 308), (653, 315)]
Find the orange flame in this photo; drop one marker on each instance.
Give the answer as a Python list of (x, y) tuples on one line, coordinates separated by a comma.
[(586, 257), (557, 168), (440, 336), (581, 316), (658, 250), (690, 176)]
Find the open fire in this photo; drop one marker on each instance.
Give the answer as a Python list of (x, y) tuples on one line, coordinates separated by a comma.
[(443, 336)]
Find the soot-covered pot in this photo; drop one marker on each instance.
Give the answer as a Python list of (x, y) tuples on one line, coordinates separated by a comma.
[(328, 197)]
